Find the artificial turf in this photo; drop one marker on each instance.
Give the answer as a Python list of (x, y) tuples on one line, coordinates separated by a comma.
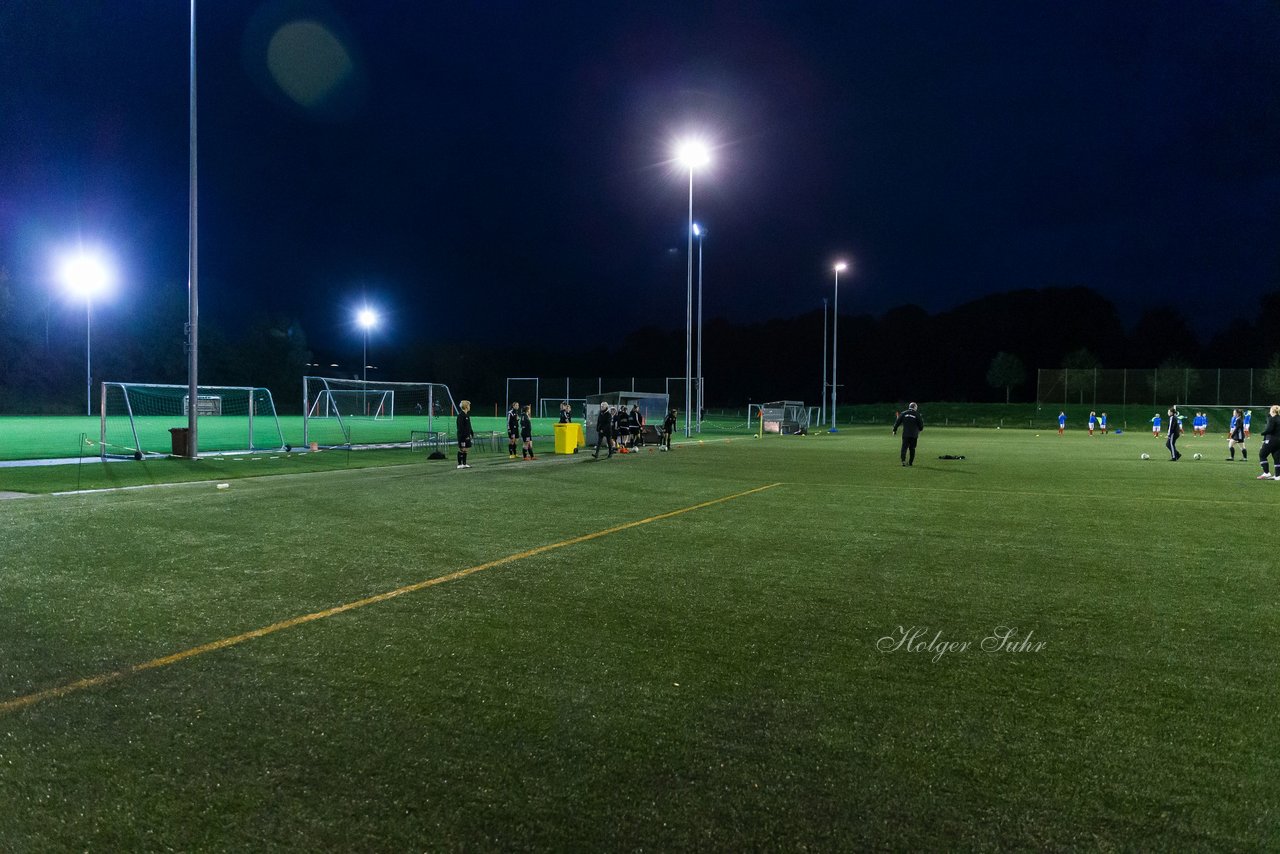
[(716, 679)]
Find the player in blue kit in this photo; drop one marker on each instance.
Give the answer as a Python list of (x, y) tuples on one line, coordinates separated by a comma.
[(1062, 423), (1155, 426)]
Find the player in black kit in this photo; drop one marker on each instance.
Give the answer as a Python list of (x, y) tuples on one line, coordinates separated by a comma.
[(526, 433), (668, 427), (513, 429), (464, 433)]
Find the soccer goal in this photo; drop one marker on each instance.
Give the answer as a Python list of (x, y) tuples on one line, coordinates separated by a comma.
[(340, 413), (137, 417)]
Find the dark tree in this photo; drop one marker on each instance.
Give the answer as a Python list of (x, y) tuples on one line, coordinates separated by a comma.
[(1006, 371)]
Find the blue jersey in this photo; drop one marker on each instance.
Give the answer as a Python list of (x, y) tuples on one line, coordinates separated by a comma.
[(1102, 419), (1234, 419), (1062, 420), (1155, 422), (1246, 419)]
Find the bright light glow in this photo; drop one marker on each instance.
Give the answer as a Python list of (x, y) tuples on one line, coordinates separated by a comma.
[(697, 230), (693, 154), (841, 266), (85, 274), (367, 318)]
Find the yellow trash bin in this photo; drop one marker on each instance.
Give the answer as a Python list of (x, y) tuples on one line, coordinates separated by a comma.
[(569, 437)]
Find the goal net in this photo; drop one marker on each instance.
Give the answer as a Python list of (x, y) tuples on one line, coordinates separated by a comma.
[(137, 417), (338, 412)]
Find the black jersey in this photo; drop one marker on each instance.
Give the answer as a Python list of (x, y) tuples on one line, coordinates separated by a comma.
[(604, 423), (526, 427), (513, 423), (464, 427), (669, 424), (565, 416), (633, 420)]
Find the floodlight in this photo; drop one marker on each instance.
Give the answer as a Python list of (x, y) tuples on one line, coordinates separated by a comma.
[(367, 318), (85, 274), (841, 266), (693, 154)]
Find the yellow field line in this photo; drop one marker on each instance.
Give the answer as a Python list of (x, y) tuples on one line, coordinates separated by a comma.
[(164, 661)]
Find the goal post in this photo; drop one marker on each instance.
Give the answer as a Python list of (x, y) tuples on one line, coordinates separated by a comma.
[(524, 390), (136, 418), (343, 413)]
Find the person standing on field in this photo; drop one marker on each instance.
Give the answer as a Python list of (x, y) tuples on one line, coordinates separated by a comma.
[(1062, 422), (604, 431), (513, 429), (668, 427), (1174, 431), (1270, 444), (464, 433), (526, 432), (912, 425), (1237, 437)]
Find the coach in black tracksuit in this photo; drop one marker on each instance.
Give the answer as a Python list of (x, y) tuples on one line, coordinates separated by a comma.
[(604, 430), (912, 426), (1270, 443), (1175, 431)]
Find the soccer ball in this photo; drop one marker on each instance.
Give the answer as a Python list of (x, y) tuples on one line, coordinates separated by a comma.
[(1197, 457), (1146, 456)]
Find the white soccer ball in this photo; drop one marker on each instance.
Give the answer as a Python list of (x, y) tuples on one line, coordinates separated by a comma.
[(1197, 457), (1146, 456)]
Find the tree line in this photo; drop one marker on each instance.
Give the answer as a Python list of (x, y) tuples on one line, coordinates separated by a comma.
[(986, 350)]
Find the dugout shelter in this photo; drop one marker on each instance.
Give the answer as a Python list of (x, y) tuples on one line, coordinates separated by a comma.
[(653, 408)]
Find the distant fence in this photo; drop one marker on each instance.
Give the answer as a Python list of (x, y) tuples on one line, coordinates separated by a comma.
[(1157, 387)]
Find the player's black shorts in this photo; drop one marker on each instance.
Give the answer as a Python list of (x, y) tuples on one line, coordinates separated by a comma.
[(463, 444)]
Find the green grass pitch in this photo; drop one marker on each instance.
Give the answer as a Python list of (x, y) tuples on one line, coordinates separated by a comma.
[(725, 678)]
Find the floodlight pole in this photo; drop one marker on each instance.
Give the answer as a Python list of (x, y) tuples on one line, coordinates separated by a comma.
[(688, 325), (702, 236), (88, 356), (823, 396), (835, 337), (193, 297)]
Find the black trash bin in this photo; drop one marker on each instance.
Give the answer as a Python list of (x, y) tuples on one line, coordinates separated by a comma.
[(178, 440)]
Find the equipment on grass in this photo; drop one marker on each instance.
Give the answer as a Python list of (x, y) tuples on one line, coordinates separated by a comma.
[(785, 417), (1197, 457), (1146, 456), (151, 418), (340, 412)]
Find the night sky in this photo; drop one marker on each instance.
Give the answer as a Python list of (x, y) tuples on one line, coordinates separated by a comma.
[(502, 170)]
